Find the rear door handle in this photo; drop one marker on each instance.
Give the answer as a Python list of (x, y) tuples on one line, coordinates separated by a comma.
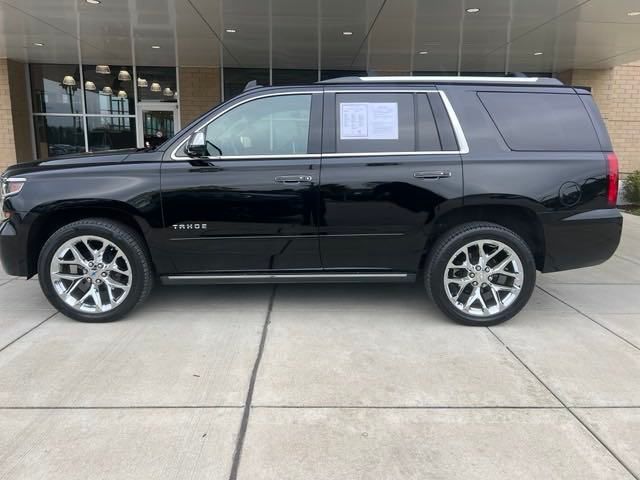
[(293, 179), (432, 175)]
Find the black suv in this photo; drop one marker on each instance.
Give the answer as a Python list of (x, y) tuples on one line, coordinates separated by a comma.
[(471, 183)]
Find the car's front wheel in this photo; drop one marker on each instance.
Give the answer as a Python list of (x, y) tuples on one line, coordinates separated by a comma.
[(95, 270), (480, 274)]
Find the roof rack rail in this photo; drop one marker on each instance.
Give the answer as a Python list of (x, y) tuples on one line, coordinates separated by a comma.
[(251, 85), (447, 79)]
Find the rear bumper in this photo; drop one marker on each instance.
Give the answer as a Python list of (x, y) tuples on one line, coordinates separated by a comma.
[(13, 249), (580, 240)]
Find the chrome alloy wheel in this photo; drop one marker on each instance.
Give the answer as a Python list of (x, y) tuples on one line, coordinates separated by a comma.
[(483, 278), (91, 274)]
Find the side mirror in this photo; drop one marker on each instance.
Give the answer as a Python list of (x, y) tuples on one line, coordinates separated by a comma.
[(197, 146)]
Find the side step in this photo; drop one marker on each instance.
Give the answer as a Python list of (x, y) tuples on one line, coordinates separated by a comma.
[(395, 277)]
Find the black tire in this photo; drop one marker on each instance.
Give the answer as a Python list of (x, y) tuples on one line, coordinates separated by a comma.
[(449, 243), (126, 239)]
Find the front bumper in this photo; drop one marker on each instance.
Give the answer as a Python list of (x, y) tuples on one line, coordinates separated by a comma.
[(13, 249), (580, 240)]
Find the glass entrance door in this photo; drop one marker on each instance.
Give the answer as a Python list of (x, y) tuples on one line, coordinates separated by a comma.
[(156, 123)]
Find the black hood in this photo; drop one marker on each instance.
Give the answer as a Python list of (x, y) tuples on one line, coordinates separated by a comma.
[(78, 160)]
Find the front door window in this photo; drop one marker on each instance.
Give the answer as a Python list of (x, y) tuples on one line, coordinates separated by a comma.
[(276, 125)]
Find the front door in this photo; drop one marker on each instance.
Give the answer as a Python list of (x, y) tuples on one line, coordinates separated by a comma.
[(251, 203), (388, 169), (158, 122)]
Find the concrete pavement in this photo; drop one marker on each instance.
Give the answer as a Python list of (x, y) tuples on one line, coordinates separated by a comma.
[(327, 382)]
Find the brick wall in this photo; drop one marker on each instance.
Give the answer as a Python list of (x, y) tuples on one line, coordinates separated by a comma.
[(15, 136), (199, 91), (617, 93)]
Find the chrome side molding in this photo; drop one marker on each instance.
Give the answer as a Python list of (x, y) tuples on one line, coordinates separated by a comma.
[(329, 277)]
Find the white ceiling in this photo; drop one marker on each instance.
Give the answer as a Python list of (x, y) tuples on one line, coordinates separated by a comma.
[(387, 34)]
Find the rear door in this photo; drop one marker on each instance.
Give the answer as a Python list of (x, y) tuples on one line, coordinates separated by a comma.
[(391, 163), (251, 203)]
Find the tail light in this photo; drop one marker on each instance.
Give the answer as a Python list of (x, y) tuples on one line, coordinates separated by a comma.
[(612, 179)]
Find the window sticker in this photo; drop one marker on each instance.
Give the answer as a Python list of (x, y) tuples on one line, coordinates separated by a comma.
[(369, 121)]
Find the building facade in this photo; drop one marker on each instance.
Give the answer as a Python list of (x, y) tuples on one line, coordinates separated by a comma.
[(111, 74)]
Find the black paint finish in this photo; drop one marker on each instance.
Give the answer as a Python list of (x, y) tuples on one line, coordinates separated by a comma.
[(355, 213)]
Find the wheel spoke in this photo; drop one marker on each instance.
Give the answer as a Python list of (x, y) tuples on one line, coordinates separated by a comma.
[(501, 266), (68, 276), (496, 297), (471, 299), (97, 300)]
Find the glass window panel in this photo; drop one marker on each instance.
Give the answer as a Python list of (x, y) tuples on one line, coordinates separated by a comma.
[(329, 74), (283, 76), (158, 126), (109, 93), (160, 84), (267, 126), (111, 133), (58, 135), (55, 88), (235, 79)]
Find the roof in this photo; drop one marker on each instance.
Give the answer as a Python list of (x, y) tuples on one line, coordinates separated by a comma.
[(448, 79)]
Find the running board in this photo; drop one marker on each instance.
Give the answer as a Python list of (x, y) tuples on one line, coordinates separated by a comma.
[(288, 278)]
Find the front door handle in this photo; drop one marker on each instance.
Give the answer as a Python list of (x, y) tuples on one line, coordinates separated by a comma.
[(432, 175), (293, 179)]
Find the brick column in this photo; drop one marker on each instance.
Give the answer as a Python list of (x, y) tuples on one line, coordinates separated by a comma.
[(617, 92), (15, 136), (199, 91)]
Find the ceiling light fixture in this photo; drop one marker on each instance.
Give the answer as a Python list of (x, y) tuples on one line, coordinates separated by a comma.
[(472, 10), (167, 92), (38, 44), (537, 54), (124, 76), (142, 83), (347, 33), (155, 47), (155, 87), (231, 30), (89, 85), (107, 91), (423, 52), (122, 94), (103, 69), (69, 81), (633, 14), (93, 2)]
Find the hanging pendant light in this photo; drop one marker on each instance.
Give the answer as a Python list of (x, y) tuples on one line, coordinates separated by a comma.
[(122, 94), (155, 87), (103, 69), (167, 92), (69, 81), (142, 83), (89, 85), (107, 91), (124, 76)]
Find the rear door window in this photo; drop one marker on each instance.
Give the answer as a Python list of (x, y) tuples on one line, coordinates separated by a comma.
[(541, 121), (375, 122)]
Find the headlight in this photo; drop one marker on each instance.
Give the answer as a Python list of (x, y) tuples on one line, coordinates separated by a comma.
[(11, 186), (8, 187)]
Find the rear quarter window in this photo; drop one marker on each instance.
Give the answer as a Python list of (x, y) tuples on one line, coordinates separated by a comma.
[(541, 121)]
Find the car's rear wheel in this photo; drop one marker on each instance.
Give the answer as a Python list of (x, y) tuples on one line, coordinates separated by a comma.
[(95, 270), (480, 274)]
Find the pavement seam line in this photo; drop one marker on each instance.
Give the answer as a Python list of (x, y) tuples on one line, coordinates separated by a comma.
[(574, 415), (592, 319), (244, 423), (28, 332)]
